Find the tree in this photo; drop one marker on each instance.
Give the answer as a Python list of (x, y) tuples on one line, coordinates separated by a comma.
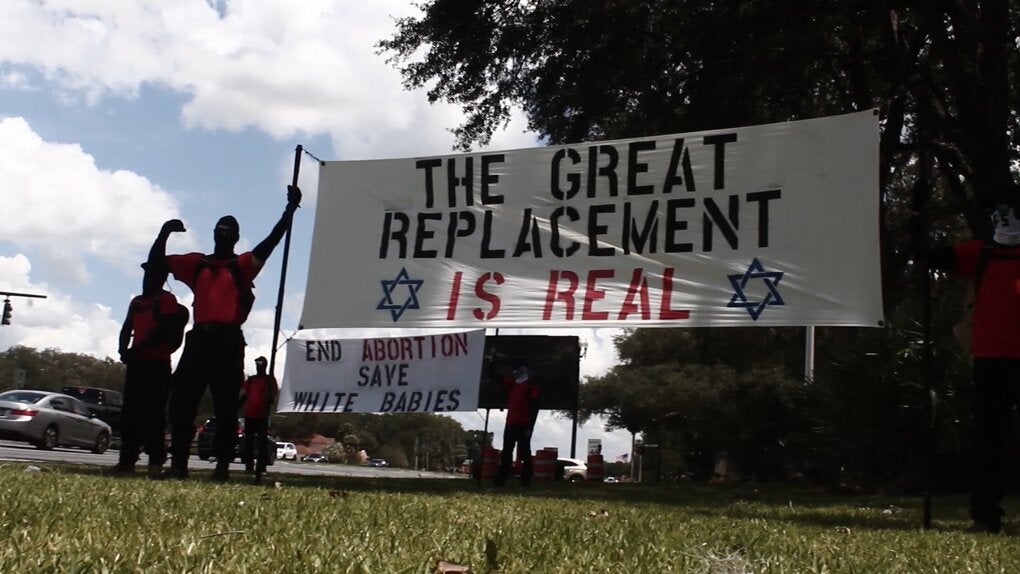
[(51, 369), (394, 455), (440, 441), (701, 411)]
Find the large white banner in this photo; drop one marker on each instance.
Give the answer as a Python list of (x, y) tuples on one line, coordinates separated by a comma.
[(419, 373), (764, 225)]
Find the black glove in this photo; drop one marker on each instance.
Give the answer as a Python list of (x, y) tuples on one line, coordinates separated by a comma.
[(126, 355), (293, 197)]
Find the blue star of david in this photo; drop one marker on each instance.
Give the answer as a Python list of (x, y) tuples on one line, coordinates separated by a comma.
[(755, 271), (388, 286)]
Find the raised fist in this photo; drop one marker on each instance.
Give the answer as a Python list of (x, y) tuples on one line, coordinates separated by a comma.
[(173, 225)]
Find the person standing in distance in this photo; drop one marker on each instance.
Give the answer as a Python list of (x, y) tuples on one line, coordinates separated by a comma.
[(257, 397), (152, 331), (213, 354), (521, 413)]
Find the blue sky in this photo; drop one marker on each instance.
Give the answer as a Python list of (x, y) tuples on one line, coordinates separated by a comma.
[(115, 116)]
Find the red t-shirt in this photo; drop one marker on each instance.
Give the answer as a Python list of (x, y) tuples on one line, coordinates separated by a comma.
[(143, 324), (518, 400), (216, 296), (996, 328), (256, 388)]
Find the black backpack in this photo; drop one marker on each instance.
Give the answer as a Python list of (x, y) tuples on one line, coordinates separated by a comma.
[(171, 326), (245, 289)]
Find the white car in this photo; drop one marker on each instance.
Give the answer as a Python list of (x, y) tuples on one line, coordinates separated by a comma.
[(573, 469), (286, 451)]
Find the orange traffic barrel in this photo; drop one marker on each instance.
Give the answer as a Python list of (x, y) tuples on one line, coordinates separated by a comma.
[(596, 467), (545, 464), (490, 462)]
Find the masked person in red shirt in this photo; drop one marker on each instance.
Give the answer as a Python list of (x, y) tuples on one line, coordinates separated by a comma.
[(257, 397), (994, 268), (213, 354), (151, 332), (522, 411)]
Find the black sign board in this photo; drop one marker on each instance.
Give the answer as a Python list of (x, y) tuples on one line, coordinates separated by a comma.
[(553, 361)]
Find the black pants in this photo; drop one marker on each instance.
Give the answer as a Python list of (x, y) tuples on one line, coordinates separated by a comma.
[(255, 442), (996, 391), (143, 418), (519, 435), (213, 357)]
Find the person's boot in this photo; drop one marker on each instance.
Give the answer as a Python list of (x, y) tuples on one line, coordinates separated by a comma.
[(123, 468), (176, 471), (989, 521), (222, 472), (154, 471)]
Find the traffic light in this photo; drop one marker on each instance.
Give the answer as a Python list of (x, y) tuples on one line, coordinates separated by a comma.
[(7, 312)]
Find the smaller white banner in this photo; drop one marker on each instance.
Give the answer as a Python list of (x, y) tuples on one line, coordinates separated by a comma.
[(419, 373)]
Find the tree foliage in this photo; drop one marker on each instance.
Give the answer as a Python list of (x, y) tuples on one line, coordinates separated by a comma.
[(597, 69), (50, 369), (697, 405), (434, 442)]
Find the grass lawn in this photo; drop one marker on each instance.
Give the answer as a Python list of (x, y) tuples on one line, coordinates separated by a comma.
[(63, 518)]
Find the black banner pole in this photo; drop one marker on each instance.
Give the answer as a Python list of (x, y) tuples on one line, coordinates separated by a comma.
[(922, 195), (263, 441), (283, 270)]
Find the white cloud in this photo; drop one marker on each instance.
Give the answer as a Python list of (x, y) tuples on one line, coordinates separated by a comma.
[(59, 202), (282, 67), (14, 80)]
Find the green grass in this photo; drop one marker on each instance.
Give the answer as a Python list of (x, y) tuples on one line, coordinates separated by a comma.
[(77, 519)]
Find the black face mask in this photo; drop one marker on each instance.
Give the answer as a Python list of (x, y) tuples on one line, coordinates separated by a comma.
[(225, 234)]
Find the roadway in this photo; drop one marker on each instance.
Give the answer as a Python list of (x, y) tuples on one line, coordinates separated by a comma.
[(24, 452)]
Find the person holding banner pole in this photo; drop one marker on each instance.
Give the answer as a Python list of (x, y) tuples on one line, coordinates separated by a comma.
[(213, 354), (522, 411)]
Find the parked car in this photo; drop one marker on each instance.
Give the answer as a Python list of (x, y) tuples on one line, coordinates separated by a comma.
[(48, 420), (572, 469), (315, 457), (105, 403), (207, 433), (377, 462), (610, 479), (286, 451)]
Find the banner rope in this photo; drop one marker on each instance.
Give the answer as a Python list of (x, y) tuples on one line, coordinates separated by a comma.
[(311, 155)]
